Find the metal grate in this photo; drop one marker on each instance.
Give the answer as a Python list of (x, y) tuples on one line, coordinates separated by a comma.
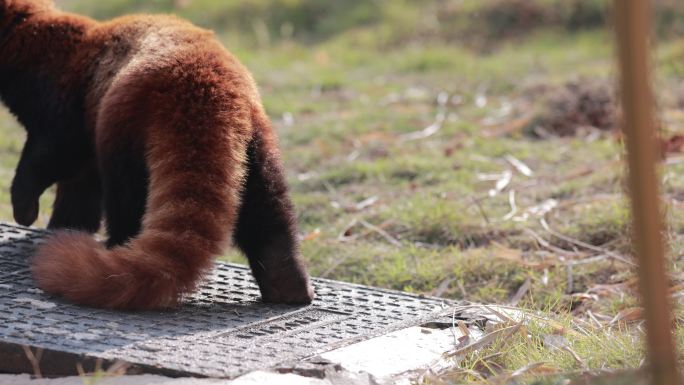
[(222, 331)]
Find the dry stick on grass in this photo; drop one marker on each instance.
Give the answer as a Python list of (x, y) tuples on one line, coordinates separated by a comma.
[(463, 328), (487, 366), (522, 290), (433, 128), (585, 245), (519, 165), (82, 373), (575, 356), (463, 372), (575, 322), (502, 182), (34, 359), (503, 317), (360, 206), (343, 237), (482, 212), (521, 187), (593, 318), (570, 279), (443, 287), (347, 238), (339, 201), (514, 207), (568, 264), (544, 243), (382, 233), (584, 171), (464, 293), (370, 230), (332, 268), (514, 125), (493, 355), (486, 340), (554, 324), (566, 203), (586, 261), (524, 370), (118, 368), (466, 336), (427, 131)]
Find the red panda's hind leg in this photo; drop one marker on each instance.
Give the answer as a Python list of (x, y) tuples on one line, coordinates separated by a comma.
[(78, 204), (266, 230), (125, 181)]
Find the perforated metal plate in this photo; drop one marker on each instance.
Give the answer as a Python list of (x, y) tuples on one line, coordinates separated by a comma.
[(222, 331)]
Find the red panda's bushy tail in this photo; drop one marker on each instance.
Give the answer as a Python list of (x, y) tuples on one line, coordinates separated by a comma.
[(195, 180), (73, 265)]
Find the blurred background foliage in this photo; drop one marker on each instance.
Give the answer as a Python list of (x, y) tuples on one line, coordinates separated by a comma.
[(476, 23)]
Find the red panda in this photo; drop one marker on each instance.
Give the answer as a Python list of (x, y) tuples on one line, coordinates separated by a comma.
[(150, 122)]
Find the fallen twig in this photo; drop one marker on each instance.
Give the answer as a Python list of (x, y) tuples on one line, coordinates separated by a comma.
[(443, 287), (519, 165), (382, 233), (34, 359), (584, 244), (488, 339), (343, 235), (427, 131), (544, 243), (557, 326), (514, 208), (501, 183), (482, 212), (522, 290)]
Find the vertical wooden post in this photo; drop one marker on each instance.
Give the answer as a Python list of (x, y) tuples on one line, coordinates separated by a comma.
[(632, 21)]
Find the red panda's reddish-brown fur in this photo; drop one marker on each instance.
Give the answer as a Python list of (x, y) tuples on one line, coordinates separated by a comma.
[(152, 120)]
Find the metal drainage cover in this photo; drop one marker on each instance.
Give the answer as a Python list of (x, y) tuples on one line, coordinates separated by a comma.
[(223, 331)]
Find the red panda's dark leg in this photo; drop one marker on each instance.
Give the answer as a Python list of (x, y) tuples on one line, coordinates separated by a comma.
[(125, 182), (266, 229), (30, 181), (78, 204), (46, 160)]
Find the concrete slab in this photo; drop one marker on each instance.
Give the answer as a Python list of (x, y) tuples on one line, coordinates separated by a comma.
[(398, 353)]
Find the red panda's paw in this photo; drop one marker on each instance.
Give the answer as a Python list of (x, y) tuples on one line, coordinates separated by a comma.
[(25, 213), (293, 292)]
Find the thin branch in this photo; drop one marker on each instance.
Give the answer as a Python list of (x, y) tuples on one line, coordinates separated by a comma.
[(34, 359), (382, 232), (585, 245)]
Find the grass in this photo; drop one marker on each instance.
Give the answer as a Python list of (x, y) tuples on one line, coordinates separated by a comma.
[(424, 215), (545, 355)]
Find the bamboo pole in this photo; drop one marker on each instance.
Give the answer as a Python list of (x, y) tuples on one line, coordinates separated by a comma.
[(632, 21)]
